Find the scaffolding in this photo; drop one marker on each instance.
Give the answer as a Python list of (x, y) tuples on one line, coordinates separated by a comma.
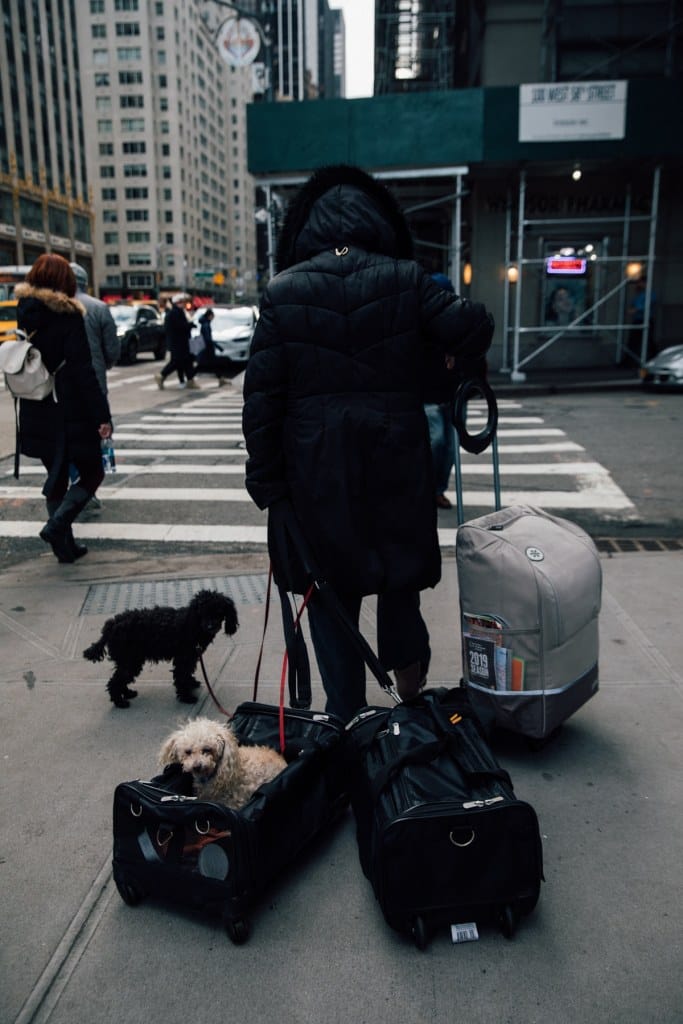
[(629, 265)]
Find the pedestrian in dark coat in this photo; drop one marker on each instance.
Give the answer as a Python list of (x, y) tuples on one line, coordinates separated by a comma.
[(178, 329), (334, 421), (69, 426)]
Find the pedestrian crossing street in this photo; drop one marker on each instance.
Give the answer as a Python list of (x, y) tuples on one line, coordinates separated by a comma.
[(180, 475)]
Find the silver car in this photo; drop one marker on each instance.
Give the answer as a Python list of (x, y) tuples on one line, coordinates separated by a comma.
[(232, 329), (665, 370)]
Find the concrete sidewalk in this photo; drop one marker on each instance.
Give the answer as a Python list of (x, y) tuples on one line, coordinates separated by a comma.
[(603, 946)]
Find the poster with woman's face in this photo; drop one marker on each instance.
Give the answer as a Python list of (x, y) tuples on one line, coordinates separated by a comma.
[(565, 300)]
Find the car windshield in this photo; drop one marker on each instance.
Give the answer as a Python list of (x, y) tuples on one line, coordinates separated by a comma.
[(223, 319), (8, 313), (123, 315)]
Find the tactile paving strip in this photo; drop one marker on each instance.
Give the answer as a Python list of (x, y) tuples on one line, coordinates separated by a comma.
[(112, 598)]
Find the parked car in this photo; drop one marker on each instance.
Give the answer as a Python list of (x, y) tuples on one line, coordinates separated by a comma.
[(232, 329), (8, 320), (140, 329), (665, 370)]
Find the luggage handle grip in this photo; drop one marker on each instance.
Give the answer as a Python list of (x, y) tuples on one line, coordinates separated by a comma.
[(475, 443)]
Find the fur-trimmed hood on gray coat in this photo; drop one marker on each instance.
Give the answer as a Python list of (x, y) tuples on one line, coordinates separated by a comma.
[(333, 414)]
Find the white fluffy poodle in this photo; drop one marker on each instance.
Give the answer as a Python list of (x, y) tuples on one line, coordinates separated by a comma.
[(221, 769)]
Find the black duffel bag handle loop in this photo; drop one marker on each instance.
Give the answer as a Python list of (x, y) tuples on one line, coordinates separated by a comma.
[(475, 443)]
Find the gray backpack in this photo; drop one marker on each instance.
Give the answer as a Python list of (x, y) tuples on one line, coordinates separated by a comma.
[(26, 375)]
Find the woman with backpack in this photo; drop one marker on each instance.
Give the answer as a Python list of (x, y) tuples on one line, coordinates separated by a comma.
[(69, 425)]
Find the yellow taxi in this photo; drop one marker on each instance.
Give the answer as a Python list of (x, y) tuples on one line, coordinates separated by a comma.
[(8, 320)]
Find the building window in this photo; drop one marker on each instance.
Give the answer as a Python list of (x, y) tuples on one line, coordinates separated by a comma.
[(141, 280), (132, 124), (127, 28), (165, 149), (133, 215), (136, 193), (97, 6), (135, 170), (130, 77), (104, 126), (135, 147), (166, 171), (129, 53), (168, 216), (111, 259), (169, 238), (125, 5), (161, 33), (163, 104), (102, 79), (165, 128), (126, 102), (107, 171), (109, 216), (161, 56), (163, 81), (139, 259), (106, 148), (111, 238), (135, 237), (159, 8), (103, 103), (108, 195), (98, 31), (113, 280), (100, 57)]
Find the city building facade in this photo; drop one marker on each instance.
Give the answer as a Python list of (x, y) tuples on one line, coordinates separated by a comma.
[(45, 199)]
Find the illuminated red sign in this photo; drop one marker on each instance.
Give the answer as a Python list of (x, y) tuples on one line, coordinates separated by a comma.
[(565, 265)]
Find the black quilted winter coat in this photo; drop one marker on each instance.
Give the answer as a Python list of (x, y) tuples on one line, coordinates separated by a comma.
[(68, 427), (333, 415)]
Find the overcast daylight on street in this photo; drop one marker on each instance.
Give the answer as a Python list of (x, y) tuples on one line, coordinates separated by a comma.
[(341, 543)]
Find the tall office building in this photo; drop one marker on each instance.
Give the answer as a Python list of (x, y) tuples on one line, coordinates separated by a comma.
[(166, 152), (44, 198)]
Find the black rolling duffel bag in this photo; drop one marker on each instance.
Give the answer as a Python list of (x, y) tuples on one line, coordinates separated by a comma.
[(441, 835), (169, 845)]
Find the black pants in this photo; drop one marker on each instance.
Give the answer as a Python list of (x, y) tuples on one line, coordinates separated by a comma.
[(402, 639), (90, 476), (182, 363), (221, 367)]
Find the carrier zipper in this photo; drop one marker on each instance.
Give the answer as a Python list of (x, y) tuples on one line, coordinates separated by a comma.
[(175, 798), (483, 803)]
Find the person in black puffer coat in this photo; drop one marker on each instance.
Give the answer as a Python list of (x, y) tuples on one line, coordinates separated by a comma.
[(334, 422), (67, 427)]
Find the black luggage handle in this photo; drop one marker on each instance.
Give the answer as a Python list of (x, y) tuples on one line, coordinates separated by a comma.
[(475, 443)]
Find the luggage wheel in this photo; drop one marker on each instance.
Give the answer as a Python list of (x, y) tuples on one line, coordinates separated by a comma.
[(508, 919), (237, 929), (130, 893), (418, 931)]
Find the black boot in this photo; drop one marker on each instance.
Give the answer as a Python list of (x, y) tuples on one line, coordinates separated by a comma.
[(78, 550), (57, 530)]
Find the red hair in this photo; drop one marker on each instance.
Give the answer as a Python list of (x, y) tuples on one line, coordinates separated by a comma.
[(52, 271)]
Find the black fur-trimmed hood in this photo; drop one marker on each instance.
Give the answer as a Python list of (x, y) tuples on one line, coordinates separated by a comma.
[(342, 205), (57, 302)]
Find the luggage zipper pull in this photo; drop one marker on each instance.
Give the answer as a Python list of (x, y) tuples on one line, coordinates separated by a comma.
[(175, 798), (483, 803), (396, 728), (473, 803)]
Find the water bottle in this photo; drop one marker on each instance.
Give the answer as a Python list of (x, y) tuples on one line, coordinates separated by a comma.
[(108, 458)]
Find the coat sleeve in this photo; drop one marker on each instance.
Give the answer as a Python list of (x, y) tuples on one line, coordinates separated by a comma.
[(265, 403), (81, 370), (457, 326), (111, 345)]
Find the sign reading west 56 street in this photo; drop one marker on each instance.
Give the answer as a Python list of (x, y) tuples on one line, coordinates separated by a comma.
[(571, 111)]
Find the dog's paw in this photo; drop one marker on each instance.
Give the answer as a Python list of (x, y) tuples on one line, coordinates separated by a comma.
[(187, 698), (195, 684), (121, 702), (130, 693)]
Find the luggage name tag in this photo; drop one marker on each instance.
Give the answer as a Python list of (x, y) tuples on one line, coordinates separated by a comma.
[(464, 932)]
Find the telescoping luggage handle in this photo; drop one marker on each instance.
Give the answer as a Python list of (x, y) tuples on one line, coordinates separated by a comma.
[(327, 594), (475, 444)]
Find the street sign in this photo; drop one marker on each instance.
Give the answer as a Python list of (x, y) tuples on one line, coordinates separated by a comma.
[(238, 42)]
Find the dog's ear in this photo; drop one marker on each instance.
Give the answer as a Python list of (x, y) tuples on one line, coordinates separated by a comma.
[(169, 751), (230, 617)]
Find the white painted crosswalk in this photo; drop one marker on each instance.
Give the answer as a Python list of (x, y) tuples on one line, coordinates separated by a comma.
[(180, 477)]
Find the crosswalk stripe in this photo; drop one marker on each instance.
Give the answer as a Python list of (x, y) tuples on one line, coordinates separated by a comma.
[(214, 436)]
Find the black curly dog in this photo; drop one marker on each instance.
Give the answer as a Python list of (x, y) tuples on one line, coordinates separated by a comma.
[(157, 634)]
